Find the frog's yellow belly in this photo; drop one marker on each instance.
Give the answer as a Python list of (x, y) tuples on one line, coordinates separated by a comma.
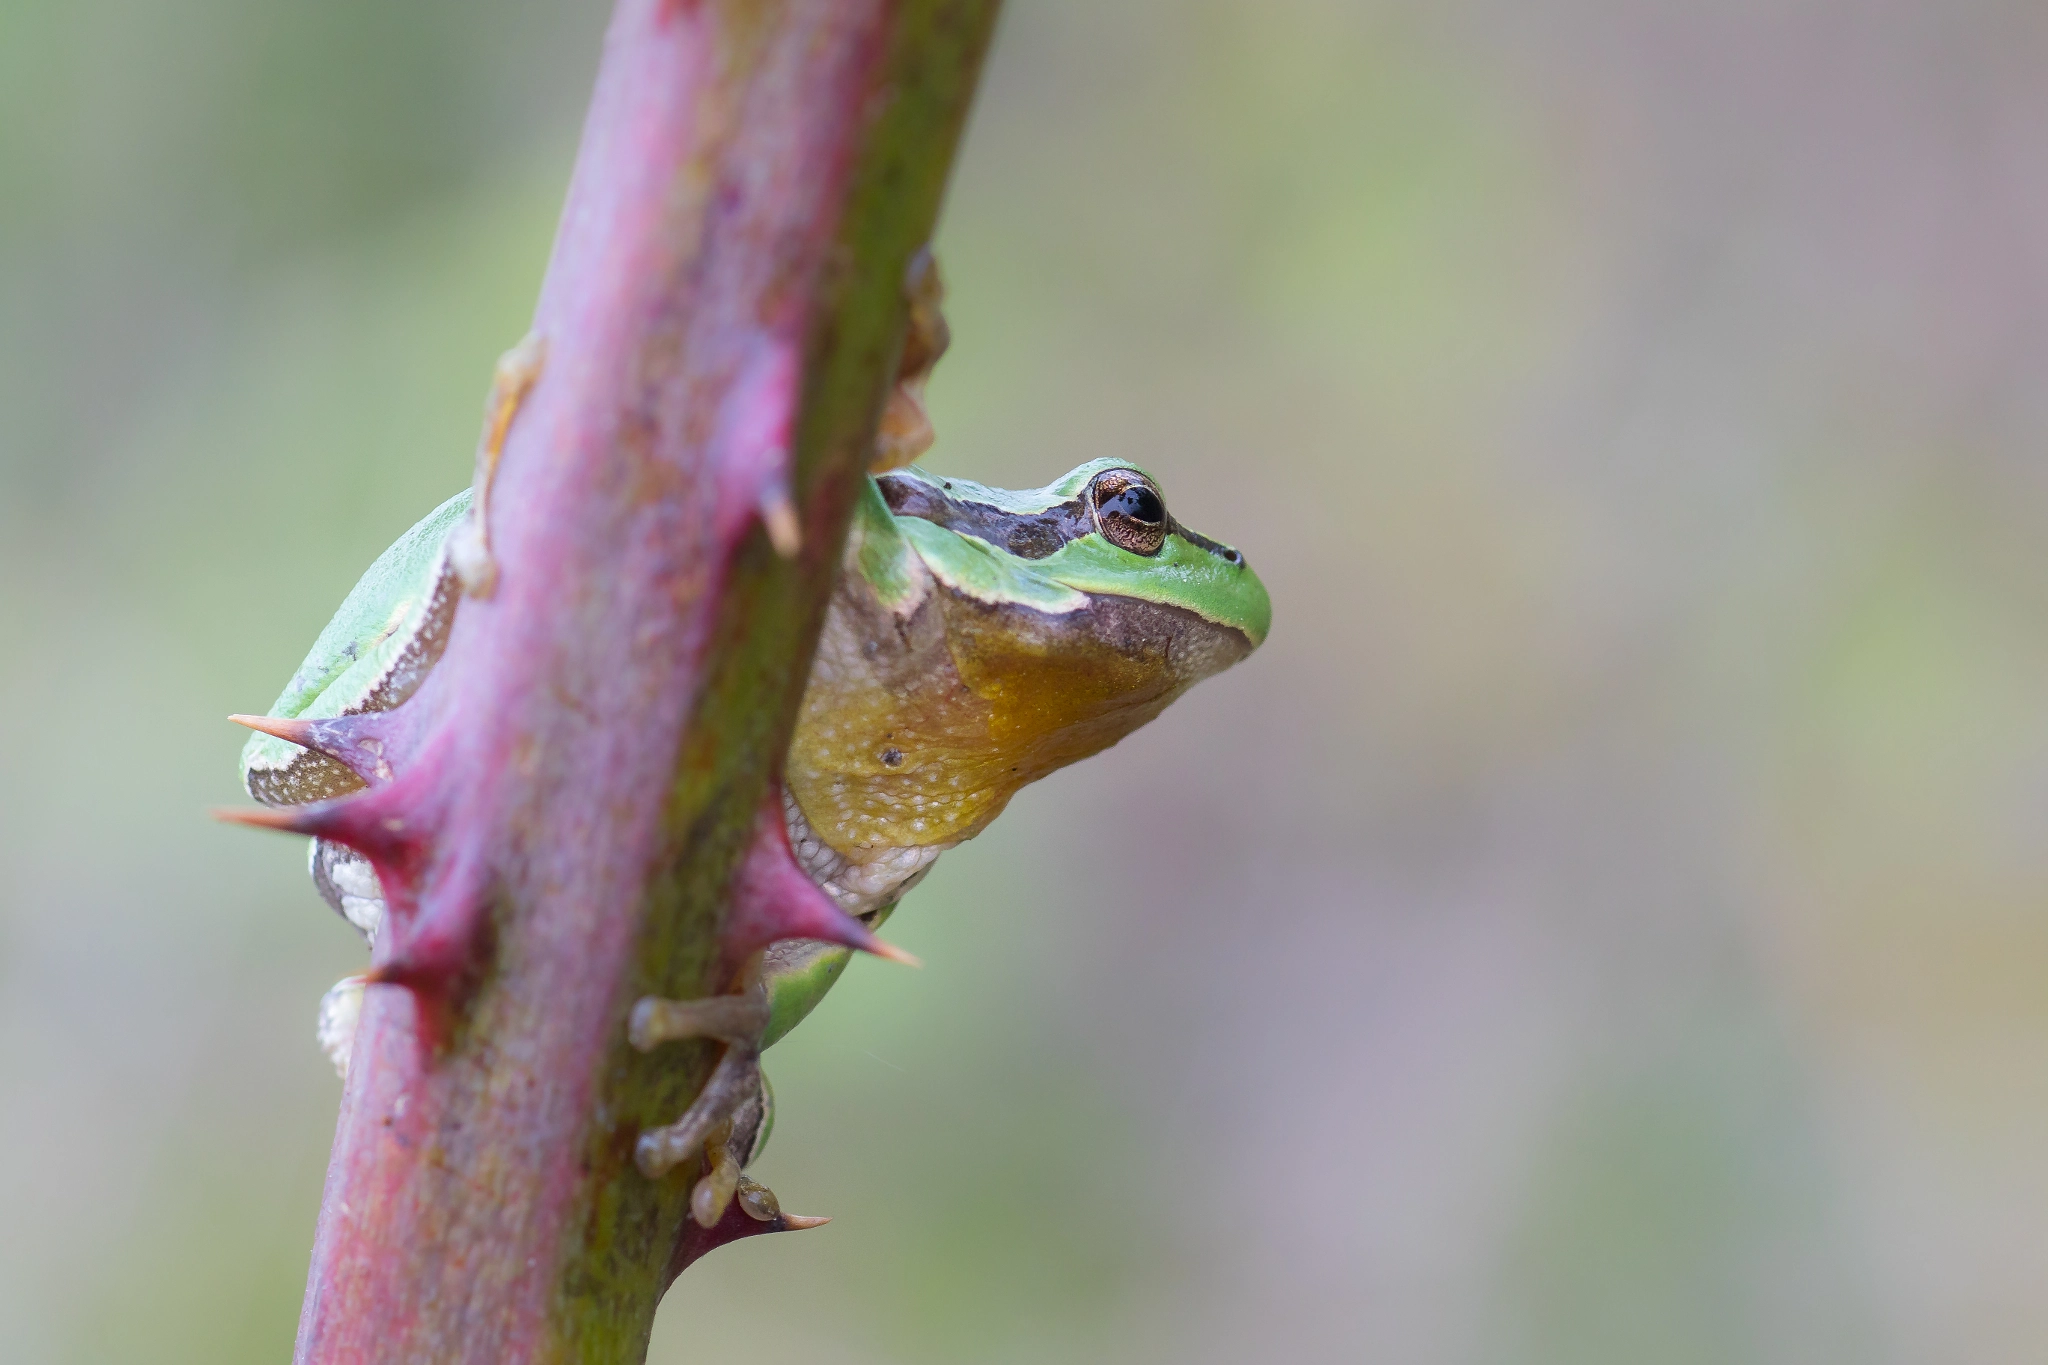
[(916, 731)]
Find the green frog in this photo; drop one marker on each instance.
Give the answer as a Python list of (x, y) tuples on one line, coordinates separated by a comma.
[(977, 639)]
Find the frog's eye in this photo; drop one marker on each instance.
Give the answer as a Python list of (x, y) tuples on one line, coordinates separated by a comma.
[(1129, 512)]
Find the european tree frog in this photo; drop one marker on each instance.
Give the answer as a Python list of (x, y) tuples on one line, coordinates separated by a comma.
[(978, 639)]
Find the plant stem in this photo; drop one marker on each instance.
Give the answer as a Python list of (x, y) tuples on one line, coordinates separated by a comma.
[(595, 743)]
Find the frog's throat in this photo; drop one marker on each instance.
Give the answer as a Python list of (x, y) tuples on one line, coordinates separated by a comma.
[(860, 886)]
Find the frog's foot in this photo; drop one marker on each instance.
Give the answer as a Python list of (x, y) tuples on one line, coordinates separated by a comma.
[(341, 1010), (728, 1124), (469, 546), (773, 900), (728, 1120)]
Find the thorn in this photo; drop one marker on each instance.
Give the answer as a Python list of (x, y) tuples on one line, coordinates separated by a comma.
[(364, 821), (735, 1224), (356, 742), (289, 819), (751, 445), (428, 957), (884, 949), (290, 730), (774, 899), (778, 515)]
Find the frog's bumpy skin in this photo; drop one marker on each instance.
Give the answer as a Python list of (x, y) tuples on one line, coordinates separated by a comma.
[(860, 888)]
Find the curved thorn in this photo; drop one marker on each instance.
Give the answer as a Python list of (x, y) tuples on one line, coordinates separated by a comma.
[(848, 932), (798, 1222)]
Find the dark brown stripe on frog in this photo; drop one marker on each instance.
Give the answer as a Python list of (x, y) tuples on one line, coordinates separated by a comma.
[(1196, 538), (1032, 535), (1027, 535)]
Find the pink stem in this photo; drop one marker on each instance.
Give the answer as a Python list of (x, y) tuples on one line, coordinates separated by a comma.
[(753, 182)]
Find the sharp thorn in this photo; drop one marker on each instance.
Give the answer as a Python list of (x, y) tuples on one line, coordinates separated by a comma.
[(292, 731), (882, 948), (778, 515), (289, 820), (798, 1222), (355, 742)]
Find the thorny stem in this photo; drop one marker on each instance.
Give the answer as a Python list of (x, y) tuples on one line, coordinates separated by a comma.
[(597, 739)]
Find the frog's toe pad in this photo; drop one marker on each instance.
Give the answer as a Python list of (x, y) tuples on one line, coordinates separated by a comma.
[(741, 1018), (715, 1189)]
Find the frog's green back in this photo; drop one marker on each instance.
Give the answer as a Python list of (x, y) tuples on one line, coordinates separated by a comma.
[(360, 660)]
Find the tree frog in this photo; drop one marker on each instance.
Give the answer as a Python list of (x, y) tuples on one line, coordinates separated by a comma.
[(977, 639)]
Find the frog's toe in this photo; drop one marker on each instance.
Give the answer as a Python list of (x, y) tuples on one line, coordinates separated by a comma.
[(734, 1081), (731, 1110), (717, 1186), (738, 1019)]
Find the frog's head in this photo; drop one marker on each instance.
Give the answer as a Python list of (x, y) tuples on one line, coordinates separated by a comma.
[(991, 636), (1096, 535), (1101, 533)]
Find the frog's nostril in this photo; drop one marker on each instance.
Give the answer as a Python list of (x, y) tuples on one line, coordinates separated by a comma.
[(1231, 556)]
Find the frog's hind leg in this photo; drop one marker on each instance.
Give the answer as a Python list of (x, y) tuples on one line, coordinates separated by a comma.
[(728, 1122), (740, 1022), (772, 900)]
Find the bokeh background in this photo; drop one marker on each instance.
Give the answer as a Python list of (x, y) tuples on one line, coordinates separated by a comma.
[(1608, 922)]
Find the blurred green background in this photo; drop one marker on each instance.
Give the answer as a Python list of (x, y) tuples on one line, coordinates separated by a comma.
[(1608, 922)]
